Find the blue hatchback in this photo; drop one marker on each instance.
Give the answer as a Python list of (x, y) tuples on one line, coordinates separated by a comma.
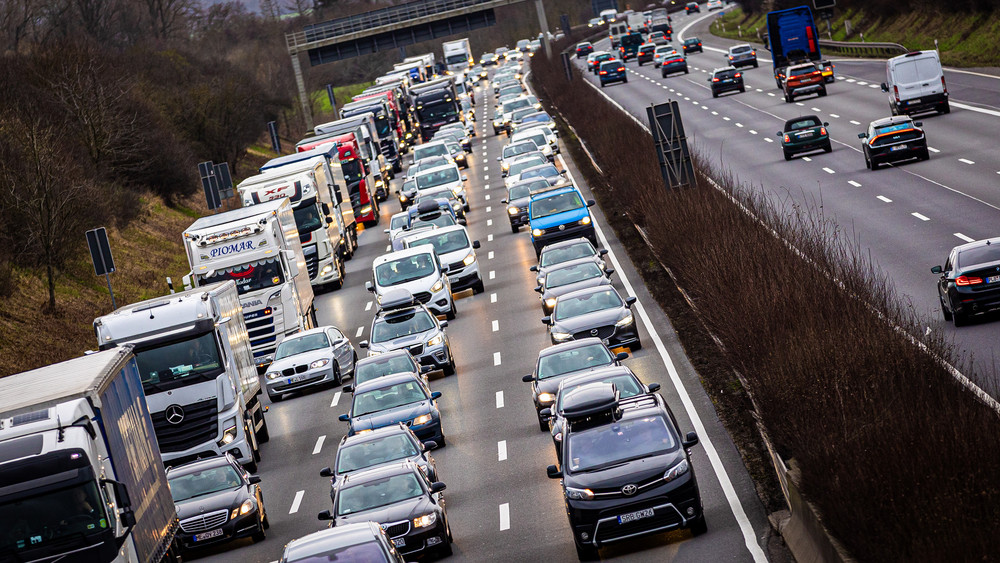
[(612, 71), (559, 214)]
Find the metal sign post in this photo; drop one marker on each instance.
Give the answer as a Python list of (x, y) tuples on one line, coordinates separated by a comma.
[(333, 99), (671, 145), (100, 254), (272, 131), (225, 180), (567, 66), (210, 183)]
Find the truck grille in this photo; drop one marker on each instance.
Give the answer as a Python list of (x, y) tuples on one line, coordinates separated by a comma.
[(602, 333), (396, 529), (204, 522), (312, 260), (200, 424)]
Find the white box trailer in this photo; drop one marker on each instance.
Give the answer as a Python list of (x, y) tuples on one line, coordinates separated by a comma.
[(458, 57)]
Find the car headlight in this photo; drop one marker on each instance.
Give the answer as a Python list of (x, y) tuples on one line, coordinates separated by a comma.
[(550, 302), (537, 232), (229, 434), (505, 166), (627, 320), (248, 506), (546, 398), (422, 419), (318, 363), (585, 220), (560, 336), (435, 340), (437, 286), (425, 520), (273, 374), (579, 494), (513, 210), (469, 259), (676, 471), (402, 197)]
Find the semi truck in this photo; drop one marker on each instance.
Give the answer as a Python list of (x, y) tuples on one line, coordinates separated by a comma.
[(426, 60), (330, 177), (80, 471), (385, 127), (436, 104), (193, 353), (364, 131), (313, 207), (359, 178), (414, 70), (458, 56), (393, 94), (258, 248), (792, 39)]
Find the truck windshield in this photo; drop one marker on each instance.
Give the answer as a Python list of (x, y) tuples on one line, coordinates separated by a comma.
[(437, 111), (253, 276), (352, 170), (457, 59), (307, 216), (179, 363), (52, 517)]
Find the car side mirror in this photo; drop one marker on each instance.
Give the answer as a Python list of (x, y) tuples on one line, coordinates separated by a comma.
[(630, 301), (435, 395), (344, 418), (826, 124), (504, 201), (652, 387), (386, 231), (445, 269), (528, 378), (437, 487), (546, 320), (443, 324), (609, 271), (591, 203), (553, 472), (348, 388), (370, 287), (621, 356), (499, 159), (936, 270), (476, 245), (465, 178), (602, 252), (429, 445), (533, 269), (538, 289), (562, 172), (779, 134), (254, 479), (363, 344), (709, 80), (426, 369), (326, 472), (884, 87), (462, 222), (691, 439), (325, 515), (862, 135), (918, 123)]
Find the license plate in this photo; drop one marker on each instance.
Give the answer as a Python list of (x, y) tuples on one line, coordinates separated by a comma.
[(917, 101), (208, 535), (637, 515), (993, 279), (399, 542), (804, 134), (897, 148)]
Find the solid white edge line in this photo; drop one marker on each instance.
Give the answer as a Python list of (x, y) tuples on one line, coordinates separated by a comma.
[(336, 399), (502, 450), (504, 517), (296, 502), (319, 444)]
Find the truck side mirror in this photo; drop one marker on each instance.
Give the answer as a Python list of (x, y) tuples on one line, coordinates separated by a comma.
[(553, 472), (339, 196), (329, 220), (293, 265), (326, 472), (884, 87), (326, 208), (691, 439)]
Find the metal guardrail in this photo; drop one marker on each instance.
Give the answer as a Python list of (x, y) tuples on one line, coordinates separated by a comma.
[(863, 49), (377, 18)]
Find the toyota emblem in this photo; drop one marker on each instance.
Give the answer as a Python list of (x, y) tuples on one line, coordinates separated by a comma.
[(593, 332), (629, 490), (174, 414)]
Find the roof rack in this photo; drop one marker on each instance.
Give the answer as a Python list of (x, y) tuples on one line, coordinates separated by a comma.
[(396, 299), (594, 402)]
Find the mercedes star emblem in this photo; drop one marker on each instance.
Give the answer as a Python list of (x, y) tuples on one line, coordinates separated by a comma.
[(175, 414), (593, 332), (629, 490)]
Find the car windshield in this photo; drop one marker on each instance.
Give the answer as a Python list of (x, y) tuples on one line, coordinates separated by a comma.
[(301, 345), (206, 482), (420, 153), (437, 178), (351, 457), (519, 148), (518, 192), (539, 117), (616, 443), (253, 276), (440, 220), (512, 105), (178, 364), (547, 171), (803, 123), (978, 255), (525, 163), (741, 49), (552, 205), (801, 71), (378, 493), (369, 552), (537, 138), (387, 398), (443, 243), (572, 274), (441, 192), (562, 254), (401, 324), (585, 304), (376, 367), (406, 269), (517, 115), (577, 359)]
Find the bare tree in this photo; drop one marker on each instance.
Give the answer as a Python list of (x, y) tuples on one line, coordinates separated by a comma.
[(167, 17), (17, 18)]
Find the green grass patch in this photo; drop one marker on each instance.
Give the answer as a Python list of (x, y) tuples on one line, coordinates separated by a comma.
[(343, 94)]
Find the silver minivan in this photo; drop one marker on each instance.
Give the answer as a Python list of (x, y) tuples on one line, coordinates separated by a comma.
[(418, 271), (915, 83)]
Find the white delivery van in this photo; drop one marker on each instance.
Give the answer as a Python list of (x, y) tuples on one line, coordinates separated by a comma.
[(915, 83)]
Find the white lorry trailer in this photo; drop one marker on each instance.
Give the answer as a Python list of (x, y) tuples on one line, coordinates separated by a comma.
[(197, 371), (312, 205), (80, 471), (458, 57), (258, 248)]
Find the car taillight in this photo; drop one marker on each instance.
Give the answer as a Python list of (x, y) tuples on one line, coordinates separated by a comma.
[(788, 139), (754, 53), (714, 79), (966, 280), (895, 92), (822, 130), (621, 69), (699, 44), (604, 72), (943, 85), (738, 75)]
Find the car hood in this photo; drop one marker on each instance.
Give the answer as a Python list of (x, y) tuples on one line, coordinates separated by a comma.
[(521, 202), (559, 218), (390, 416), (583, 284), (414, 286), (632, 472), (224, 500), (304, 358), (590, 320), (403, 341), (397, 512)]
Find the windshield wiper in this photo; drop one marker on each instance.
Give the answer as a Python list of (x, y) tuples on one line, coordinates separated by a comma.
[(207, 493)]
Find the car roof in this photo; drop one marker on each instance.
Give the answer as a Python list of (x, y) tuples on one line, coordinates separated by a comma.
[(380, 471), (975, 244), (448, 165), (311, 331), (375, 434), (386, 381), (723, 69), (590, 290), (596, 374), (438, 231), (571, 345), (555, 192), (564, 243), (397, 254), (382, 356), (893, 120), (331, 538)]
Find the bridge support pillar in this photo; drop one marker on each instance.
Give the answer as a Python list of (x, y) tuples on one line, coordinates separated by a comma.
[(544, 25), (303, 95)]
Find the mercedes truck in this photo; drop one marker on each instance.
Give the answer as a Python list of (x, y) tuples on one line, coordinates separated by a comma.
[(436, 104), (458, 57), (80, 471)]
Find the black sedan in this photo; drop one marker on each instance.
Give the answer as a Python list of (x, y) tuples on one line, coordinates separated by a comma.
[(645, 54), (389, 444), (629, 473), (892, 139), (970, 280), (365, 541), (691, 45), (560, 361), (518, 197), (569, 277), (804, 134), (726, 79), (597, 311), (217, 501), (409, 507)]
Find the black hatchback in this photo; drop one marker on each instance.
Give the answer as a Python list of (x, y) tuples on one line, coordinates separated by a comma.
[(625, 469), (970, 280), (693, 44), (726, 79), (892, 139)]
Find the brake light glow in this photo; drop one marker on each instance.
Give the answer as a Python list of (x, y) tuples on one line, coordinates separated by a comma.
[(788, 139), (943, 85), (604, 72), (621, 69), (966, 280), (715, 79), (738, 75), (822, 130), (895, 92)]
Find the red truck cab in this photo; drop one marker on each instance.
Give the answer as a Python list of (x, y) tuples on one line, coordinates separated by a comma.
[(356, 175)]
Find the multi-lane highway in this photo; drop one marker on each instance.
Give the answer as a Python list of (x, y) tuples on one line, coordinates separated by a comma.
[(501, 505), (907, 216)]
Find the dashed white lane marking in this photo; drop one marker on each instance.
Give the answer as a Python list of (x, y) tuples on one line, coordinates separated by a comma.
[(489, 208), (768, 139), (493, 298), (965, 238), (759, 90), (486, 186), (860, 83), (486, 176), (726, 119), (966, 161), (851, 80), (499, 399), (932, 149), (715, 113), (296, 502), (489, 238), (319, 444), (489, 256), (752, 132), (504, 517), (828, 170), (502, 450), (873, 85), (853, 183), (816, 109), (336, 399), (496, 358), (388, 248), (921, 217), (807, 159), (855, 122), (835, 116), (486, 168), (800, 104), (361, 330), (493, 274), (883, 198), (486, 197), (770, 94), (496, 326), (368, 306), (704, 107), (740, 125)]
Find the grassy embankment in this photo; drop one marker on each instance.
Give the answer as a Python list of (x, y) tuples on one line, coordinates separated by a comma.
[(965, 39)]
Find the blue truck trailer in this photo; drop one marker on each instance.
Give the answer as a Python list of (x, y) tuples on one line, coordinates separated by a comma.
[(793, 38)]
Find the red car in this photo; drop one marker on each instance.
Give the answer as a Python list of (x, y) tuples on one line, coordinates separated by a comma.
[(584, 49)]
